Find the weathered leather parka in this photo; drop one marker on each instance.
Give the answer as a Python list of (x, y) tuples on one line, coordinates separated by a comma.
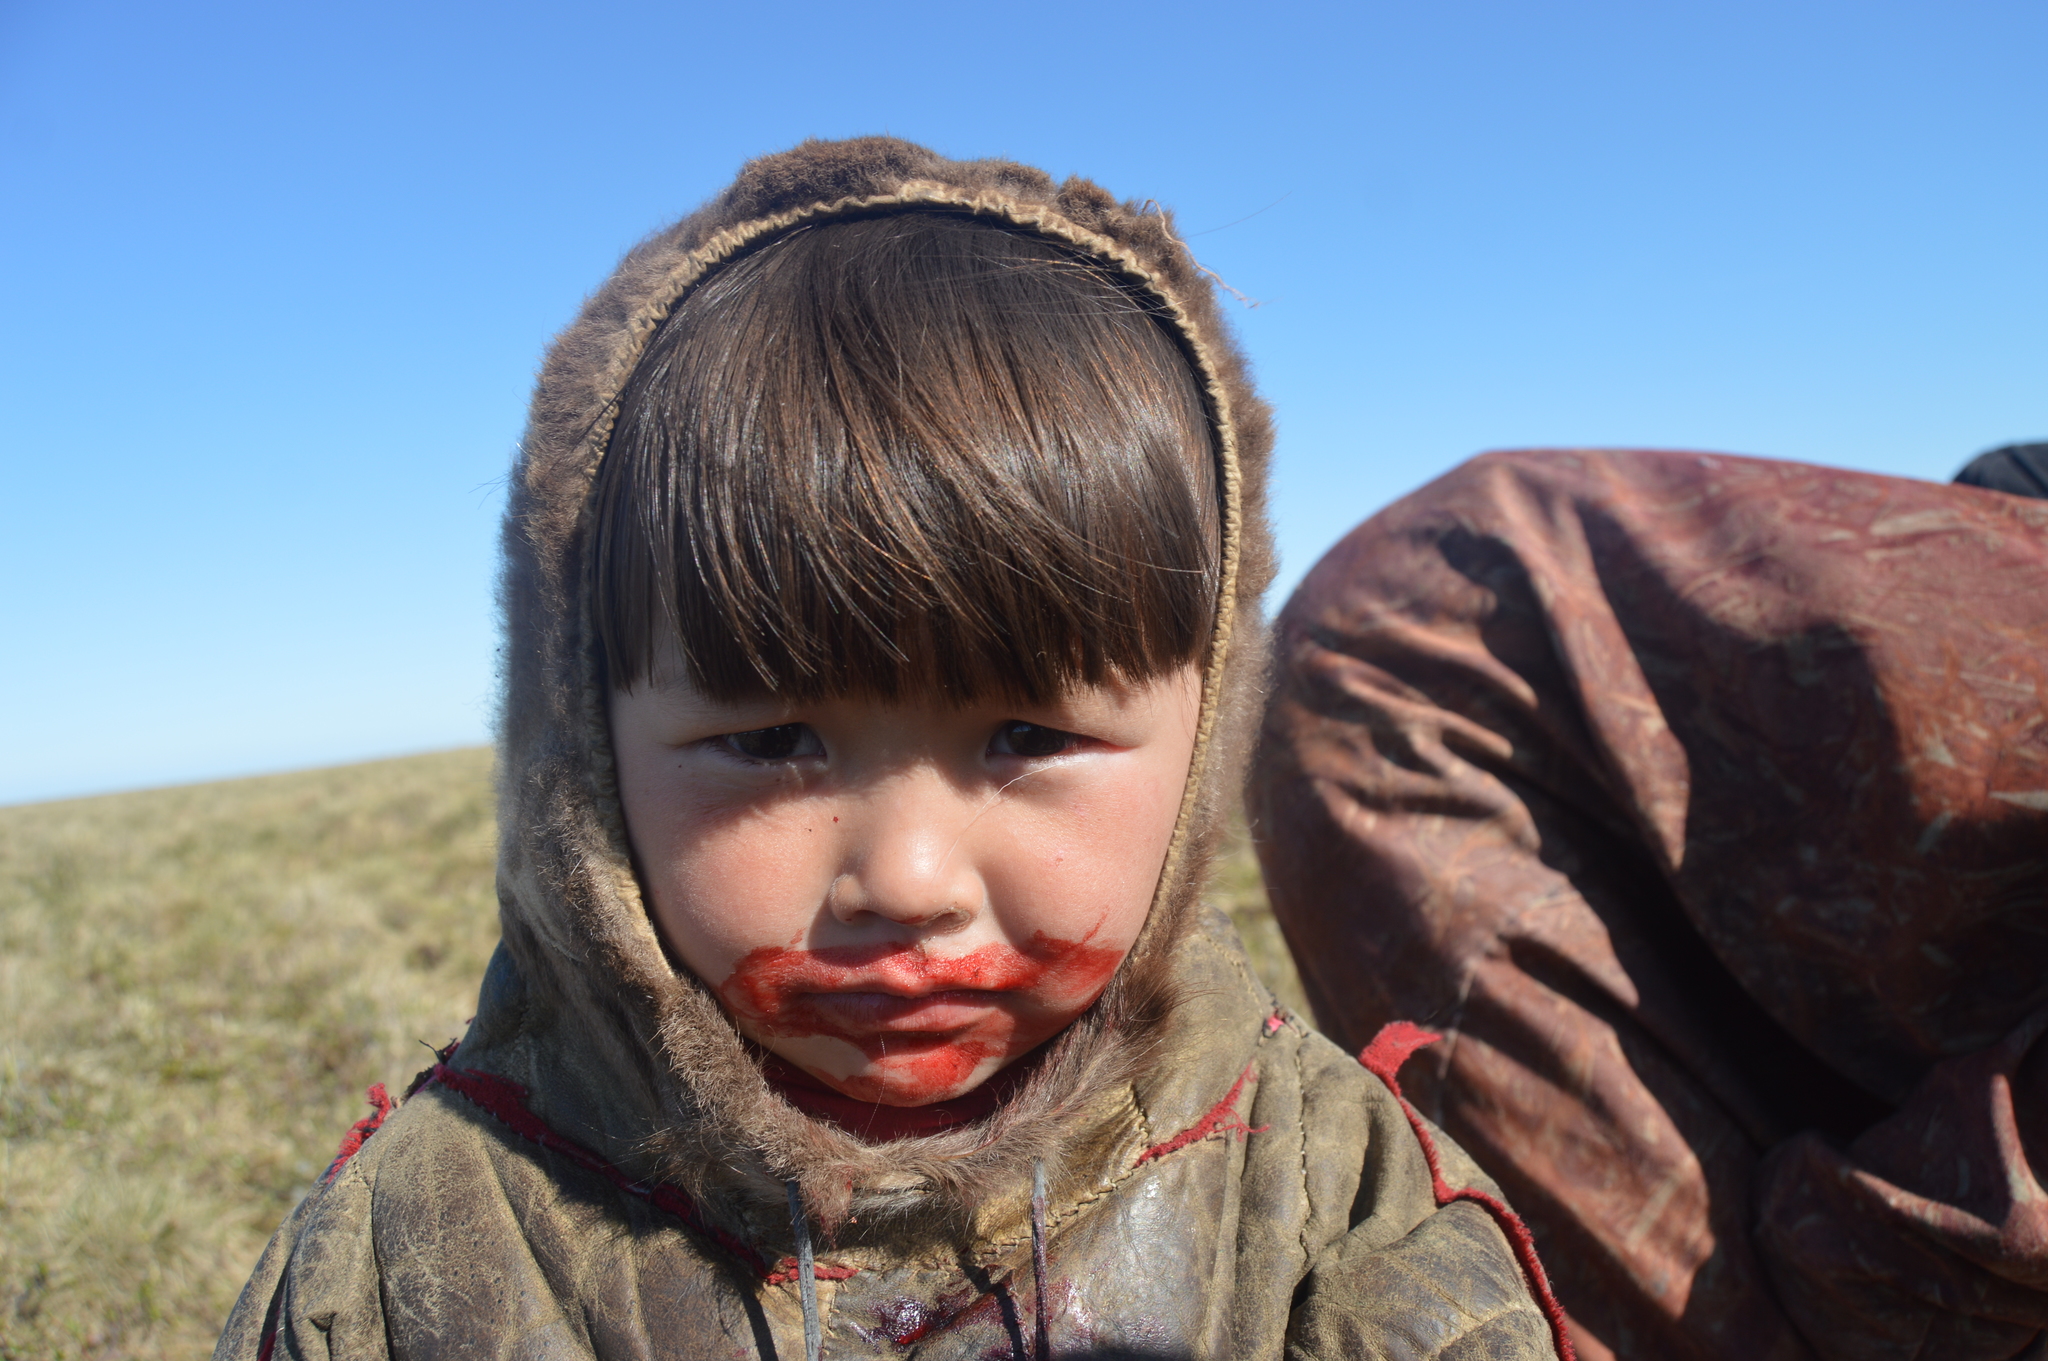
[(600, 1168)]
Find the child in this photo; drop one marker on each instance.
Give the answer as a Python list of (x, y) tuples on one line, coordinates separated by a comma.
[(882, 569)]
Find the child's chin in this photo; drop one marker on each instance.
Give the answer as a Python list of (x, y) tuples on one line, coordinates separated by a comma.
[(923, 1080), (912, 1070)]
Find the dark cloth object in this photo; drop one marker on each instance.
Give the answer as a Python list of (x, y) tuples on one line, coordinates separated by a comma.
[(2016, 469), (1703, 802)]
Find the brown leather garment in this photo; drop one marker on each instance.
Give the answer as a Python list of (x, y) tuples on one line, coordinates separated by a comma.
[(1703, 801)]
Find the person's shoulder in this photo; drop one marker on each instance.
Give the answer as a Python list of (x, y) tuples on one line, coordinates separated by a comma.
[(424, 1188), (1433, 1263), (1363, 1166), (319, 1270), (1450, 1289)]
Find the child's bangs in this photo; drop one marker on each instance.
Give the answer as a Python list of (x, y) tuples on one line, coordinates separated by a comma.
[(908, 456)]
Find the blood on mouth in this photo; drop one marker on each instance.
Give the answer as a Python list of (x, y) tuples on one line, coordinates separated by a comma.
[(925, 1025)]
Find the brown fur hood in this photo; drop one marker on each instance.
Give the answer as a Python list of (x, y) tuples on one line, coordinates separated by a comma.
[(620, 1046)]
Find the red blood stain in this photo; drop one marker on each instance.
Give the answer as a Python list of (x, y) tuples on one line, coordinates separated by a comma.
[(904, 1321), (925, 1024)]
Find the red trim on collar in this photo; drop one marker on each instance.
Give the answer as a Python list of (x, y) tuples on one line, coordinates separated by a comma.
[(381, 1105)]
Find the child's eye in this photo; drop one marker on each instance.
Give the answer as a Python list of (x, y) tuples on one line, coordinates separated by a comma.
[(783, 743), (1030, 739)]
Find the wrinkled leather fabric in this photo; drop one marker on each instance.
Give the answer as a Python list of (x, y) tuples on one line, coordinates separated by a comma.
[(1928, 1235), (450, 1235), (1703, 802)]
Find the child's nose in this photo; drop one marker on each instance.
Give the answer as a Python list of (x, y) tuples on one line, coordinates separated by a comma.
[(909, 861)]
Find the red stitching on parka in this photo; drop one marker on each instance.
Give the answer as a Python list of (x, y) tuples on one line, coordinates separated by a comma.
[(1223, 1115), (785, 1271), (359, 1133), (1396, 1043)]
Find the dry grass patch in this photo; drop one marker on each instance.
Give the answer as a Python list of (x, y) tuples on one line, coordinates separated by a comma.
[(197, 984)]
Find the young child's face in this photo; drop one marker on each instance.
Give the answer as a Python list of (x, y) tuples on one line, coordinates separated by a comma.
[(901, 899)]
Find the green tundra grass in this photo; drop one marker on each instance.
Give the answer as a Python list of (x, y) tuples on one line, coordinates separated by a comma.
[(196, 986)]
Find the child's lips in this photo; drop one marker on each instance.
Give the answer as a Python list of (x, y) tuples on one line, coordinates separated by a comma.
[(864, 1011), (892, 1001)]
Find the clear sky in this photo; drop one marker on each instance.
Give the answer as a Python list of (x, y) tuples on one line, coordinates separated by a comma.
[(275, 279)]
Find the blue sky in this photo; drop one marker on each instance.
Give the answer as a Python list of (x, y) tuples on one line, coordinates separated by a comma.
[(276, 278)]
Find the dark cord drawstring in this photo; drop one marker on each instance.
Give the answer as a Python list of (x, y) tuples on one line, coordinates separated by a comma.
[(806, 1273), (1038, 1272)]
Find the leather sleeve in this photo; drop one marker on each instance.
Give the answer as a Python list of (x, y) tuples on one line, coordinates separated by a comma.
[(1448, 1291), (316, 1292), (1931, 1226), (1701, 802)]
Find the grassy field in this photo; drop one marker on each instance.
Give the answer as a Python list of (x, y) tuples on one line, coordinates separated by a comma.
[(196, 985)]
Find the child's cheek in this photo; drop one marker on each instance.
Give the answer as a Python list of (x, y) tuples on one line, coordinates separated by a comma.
[(1086, 863), (730, 884)]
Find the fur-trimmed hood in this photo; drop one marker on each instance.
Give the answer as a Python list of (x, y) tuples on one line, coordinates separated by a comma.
[(622, 1046), (603, 1171)]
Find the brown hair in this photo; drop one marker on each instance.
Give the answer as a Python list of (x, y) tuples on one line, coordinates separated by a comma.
[(914, 454)]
